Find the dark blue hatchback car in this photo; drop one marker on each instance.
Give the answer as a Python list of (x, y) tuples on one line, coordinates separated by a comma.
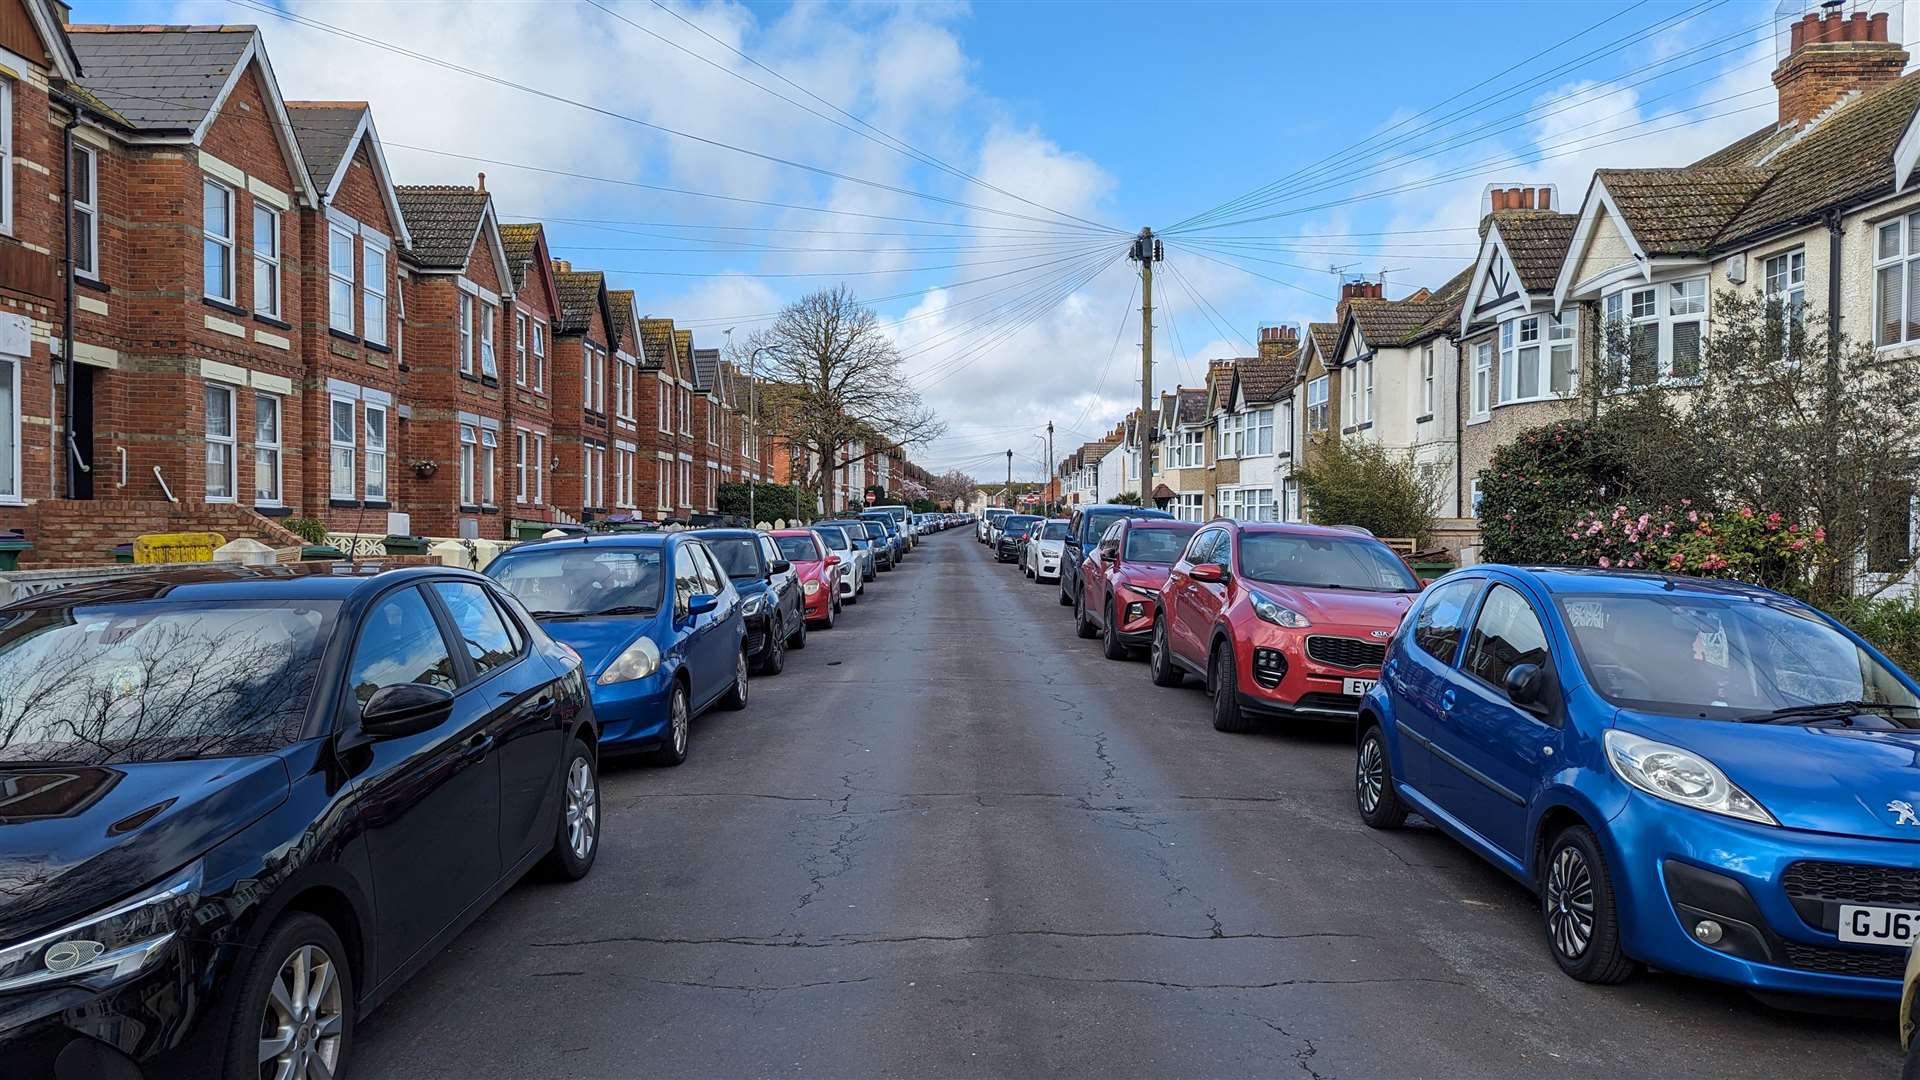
[(1703, 776), (655, 620)]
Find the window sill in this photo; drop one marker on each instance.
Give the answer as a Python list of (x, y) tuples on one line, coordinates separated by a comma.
[(1426, 419), (222, 501), (489, 509), (343, 335), (224, 305), (276, 323), (467, 508), (1476, 420), (376, 346), (469, 376), (344, 504), (87, 281), (489, 380), (376, 504), (272, 510)]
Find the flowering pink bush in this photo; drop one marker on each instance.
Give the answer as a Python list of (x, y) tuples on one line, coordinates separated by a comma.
[(1746, 545)]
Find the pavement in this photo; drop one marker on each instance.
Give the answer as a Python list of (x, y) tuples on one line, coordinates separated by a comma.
[(952, 840)]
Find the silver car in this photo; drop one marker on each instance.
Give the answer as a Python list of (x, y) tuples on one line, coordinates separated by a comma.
[(860, 560), (1041, 559)]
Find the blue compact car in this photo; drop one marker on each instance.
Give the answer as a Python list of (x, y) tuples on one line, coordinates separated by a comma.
[(1707, 777), (657, 625)]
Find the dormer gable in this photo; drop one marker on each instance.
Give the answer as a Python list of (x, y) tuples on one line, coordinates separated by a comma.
[(339, 142)]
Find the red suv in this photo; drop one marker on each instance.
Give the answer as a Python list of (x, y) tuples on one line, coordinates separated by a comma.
[(1121, 579), (819, 571), (1279, 619)]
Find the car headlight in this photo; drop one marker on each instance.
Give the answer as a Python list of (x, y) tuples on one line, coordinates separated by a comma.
[(1278, 614), (810, 588), (1143, 590), (641, 659), (1680, 776), (753, 605), (102, 949)]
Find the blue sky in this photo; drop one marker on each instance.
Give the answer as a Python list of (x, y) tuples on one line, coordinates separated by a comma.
[(1121, 114)]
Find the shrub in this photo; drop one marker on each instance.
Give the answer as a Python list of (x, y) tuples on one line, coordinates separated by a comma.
[(1358, 483), (1127, 498), (1892, 625), (312, 530), (770, 502), (1755, 546)]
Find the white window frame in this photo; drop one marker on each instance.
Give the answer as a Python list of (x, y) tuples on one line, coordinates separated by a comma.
[(1290, 500), (1665, 315), (1480, 395), (713, 485), (1353, 398), (489, 325), (340, 305), (1319, 414), (539, 357), (230, 440), (1258, 429), (6, 159), (663, 476), (520, 348), (338, 446), (1426, 380), (469, 450), (373, 288), (520, 441), (374, 479), (1473, 497), (269, 448), (1902, 257), (1366, 395), (686, 483), (11, 493), (539, 468), (489, 460), (266, 259), (1783, 280), (665, 405), (86, 262), (210, 240), (463, 333)]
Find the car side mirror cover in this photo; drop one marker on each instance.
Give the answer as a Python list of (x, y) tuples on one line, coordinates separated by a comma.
[(833, 560), (405, 709), (780, 566), (1525, 684), (1209, 572), (701, 604)]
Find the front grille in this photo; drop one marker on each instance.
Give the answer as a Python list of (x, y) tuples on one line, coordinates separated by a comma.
[(1852, 883), (1346, 703), (1872, 965), (1346, 652)]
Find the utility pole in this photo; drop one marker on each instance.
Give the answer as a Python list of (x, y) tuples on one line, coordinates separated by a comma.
[(1051, 479), (1007, 498), (1146, 251)]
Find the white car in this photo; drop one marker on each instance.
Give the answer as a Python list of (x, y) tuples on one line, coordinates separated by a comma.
[(1042, 560)]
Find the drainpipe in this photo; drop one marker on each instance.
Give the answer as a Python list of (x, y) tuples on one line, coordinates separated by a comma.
[(75, 463)]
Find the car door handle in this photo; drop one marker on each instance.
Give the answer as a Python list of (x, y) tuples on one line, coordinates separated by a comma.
[(1446, 701), (479, 743)]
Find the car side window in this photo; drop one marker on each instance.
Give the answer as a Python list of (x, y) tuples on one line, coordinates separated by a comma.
[(770, 550), (400, 642), (712, 581), (1506, 634), (1073, 527), (1110, 542), (1436, 629), (489, 644), (686, 578)]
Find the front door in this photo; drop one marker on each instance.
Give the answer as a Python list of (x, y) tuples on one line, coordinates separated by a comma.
[(1496, 752), (1184, 595), (430, 801), (1418, 678)]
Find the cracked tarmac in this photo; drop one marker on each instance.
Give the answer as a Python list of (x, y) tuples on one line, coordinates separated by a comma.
[(976, 848)]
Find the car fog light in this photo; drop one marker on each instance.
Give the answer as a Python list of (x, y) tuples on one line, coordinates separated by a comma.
[(1135, 610), (1708, 931)]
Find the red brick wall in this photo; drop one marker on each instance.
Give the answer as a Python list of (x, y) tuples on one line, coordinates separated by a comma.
[(528, 406), (29, 281), (573, 425), (439, 392), (85, 533)]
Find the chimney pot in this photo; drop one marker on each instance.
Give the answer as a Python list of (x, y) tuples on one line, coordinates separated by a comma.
[(1526, 199), (1499, 198), (1546, 198), (1796, 37), (1877, 27), (1857, 29), (482, 186)]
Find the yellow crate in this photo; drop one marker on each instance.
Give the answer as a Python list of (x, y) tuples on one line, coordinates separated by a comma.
[(176, 547)]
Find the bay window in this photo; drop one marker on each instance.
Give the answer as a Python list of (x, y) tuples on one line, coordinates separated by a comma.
[(341, 441), (1229, 436), (1536, 356), (1662, 329), (216, 244), (1352, 416), (1482, 380), (220, 428), (266, 450), (1259, 433), (1896, 281), (1317, 404), (340, 283)]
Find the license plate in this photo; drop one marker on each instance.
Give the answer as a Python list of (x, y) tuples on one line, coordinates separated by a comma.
[(1356, 687), (1878, 925)]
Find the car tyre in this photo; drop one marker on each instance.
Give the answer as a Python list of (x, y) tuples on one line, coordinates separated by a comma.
[(1066, 599), (798, 639), (679, 733), (1379, 801), (577, 842), (735, 698), (833, 610), (304, 957), (773, 657), (1111, 646), (1082, 626), (1160, 665), (1579, 914), (1228, 716)]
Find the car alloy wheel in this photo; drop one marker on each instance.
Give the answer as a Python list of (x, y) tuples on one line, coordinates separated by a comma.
[(1160, 667), (1370, 776), (583, 797), (680, 726), (301, 1029), (1569, 903)]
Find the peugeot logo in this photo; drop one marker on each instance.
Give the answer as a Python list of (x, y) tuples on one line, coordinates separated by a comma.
[(1902, 812), (64, 956)]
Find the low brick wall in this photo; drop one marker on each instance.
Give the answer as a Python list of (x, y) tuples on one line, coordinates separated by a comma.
[(84, 533)]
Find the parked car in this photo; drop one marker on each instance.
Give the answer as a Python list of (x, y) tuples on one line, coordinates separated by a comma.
[(819, 571), (895, 539), (654, 619), (876, 536), (1121, 582), (1012, 528), (210, 775), (989, 521), (857, 562), (1085, 526), (1704, 776), (771, 601), (1279, 619), (1042, 559), (1910, 1015), (902, 520)]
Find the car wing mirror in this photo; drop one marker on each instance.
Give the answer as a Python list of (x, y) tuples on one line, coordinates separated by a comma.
[(1526, 685), (405, 709), (701, 604), (833, 560), (1208, 572), (780, 566)]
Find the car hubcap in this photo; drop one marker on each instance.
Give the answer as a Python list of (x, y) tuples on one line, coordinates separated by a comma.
[(583, 800), (301, 1029), (1570, 902), (1371, 778), (740, 675), (679, 722), (1159, 647)]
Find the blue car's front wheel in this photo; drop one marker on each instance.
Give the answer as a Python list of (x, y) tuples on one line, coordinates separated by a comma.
[(674, 740), (1582, 918)]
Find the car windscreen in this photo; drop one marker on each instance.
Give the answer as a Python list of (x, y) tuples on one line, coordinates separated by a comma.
[(1722, 658), (899, 513), (1055, 530), (160, 681), (882, 522), (994, 516), (739, 556), (1323, 562), (797, 548), (834, 537), (1015, 524), (1094, 525), (581, 580), (1158, 545), (859, 529)]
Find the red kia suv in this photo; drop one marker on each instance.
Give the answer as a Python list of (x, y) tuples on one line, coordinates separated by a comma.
[(1121, 578), (1279, 619), (819, 571)]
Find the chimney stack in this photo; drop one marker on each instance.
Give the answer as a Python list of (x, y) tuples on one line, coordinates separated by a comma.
[(1830, 55), (1278, 342), (1359, 290), (563, 266)]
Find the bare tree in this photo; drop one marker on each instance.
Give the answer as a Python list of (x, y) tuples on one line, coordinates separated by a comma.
[(836, 380)]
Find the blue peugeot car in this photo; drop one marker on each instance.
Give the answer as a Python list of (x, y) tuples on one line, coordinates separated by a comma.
[(1706, 777), (657, 625)]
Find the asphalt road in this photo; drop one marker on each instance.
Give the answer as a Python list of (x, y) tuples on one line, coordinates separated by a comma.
[(951, 840)]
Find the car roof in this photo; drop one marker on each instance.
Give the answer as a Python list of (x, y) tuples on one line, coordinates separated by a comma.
[(629, 540), (1138, 511), (329, 580), (1161, 523), (1593, 579), (725, 533), (1294, 528)]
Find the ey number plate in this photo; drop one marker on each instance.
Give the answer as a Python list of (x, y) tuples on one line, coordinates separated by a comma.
[(1356, 687), (1878, 925)]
